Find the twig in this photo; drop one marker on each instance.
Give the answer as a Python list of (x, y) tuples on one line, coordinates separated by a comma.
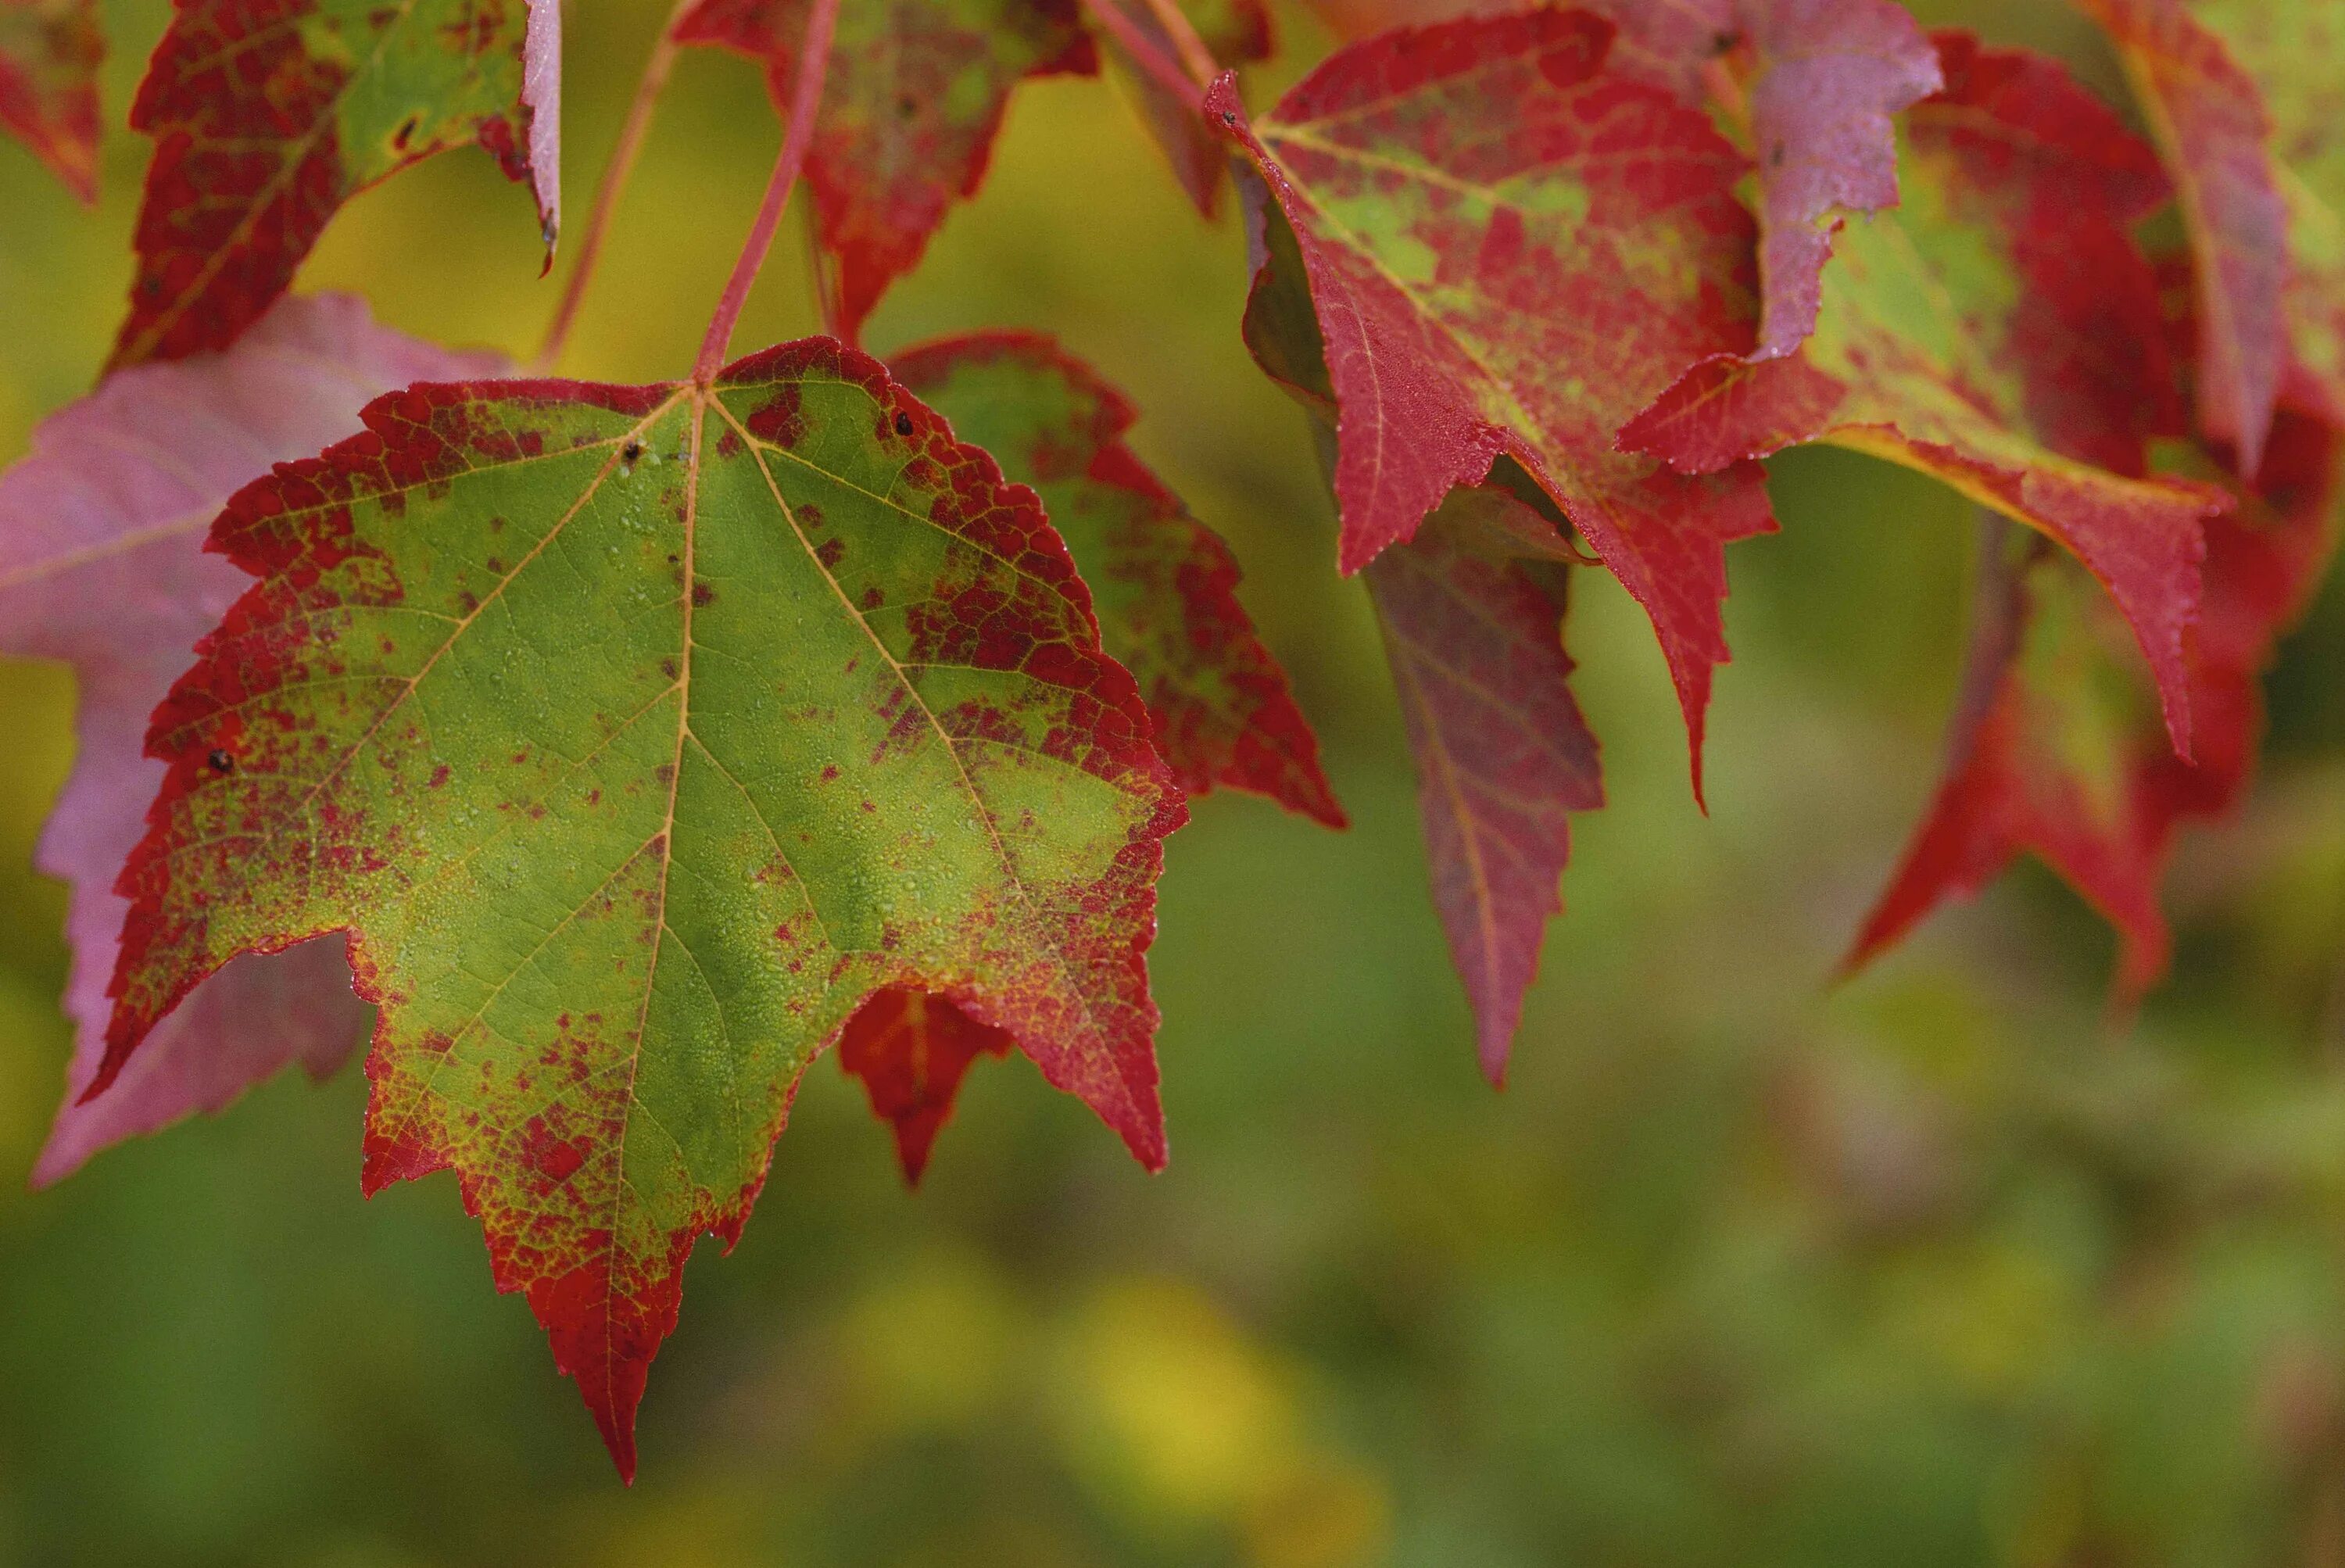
[(615, 173), (806, 95)]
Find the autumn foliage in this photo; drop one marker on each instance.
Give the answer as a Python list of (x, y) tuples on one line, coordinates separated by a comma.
[(626, 747)]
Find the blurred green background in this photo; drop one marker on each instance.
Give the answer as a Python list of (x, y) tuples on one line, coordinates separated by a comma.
[(1932, 1267)]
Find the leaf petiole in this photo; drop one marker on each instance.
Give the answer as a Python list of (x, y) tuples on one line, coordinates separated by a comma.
[(615, 173), (1145, 54), (806, 95), (1199, 59)]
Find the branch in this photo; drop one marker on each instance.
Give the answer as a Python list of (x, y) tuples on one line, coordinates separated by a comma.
[(615, 173), (806, 95)]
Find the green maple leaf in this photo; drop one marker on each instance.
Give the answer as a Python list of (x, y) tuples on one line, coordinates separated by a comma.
[(636, 735)]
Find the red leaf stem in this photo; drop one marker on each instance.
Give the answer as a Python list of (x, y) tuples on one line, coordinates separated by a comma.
[(1134, 41), (806, 94)]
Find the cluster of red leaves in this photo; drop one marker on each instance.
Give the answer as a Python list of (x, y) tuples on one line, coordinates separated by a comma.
[(1552, 283)]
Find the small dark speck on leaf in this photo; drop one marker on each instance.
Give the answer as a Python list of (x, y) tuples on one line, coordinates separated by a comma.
[(903, 423), (1720, 42), (632, 450), (1229, 116), (1775, 159), (221, 761)]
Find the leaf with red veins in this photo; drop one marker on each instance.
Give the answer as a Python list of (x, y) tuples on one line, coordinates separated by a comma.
[(1475, 637), (911, 101), (2060, 755), (267, 115), (1163, 583), (1234, 33), (911, 1050), (1999, 331), (101, 567), (1521, 295), (49, 53), (636, 735), (2210, 122)]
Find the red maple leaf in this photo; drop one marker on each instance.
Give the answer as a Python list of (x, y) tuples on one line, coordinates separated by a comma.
[(911, 1051)]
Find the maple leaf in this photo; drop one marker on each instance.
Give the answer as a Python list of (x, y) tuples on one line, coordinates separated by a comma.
[(1164, 585), (636, 735), (2277, 63), (911, 102), (2000, 330), (1475, 637), (101, 567), (1471, 613), (911, 1051), (1233, 33), (1521, 295), (49, 53), (2053, 753), (2210, 122), (1811, 84), (267, 115)]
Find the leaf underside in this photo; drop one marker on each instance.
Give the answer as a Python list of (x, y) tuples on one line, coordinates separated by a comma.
[(102, 568), (1475, 637), (636, 735)]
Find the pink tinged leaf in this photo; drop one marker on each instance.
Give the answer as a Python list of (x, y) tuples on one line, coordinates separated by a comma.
[(1828, 76), (1163, 585), (1521, 296), (911, 1051), (101, 567), (1503, 757), (267, 115), (50, 51), (2035, 398), (2210, 121), (541, 103), (913, 97)]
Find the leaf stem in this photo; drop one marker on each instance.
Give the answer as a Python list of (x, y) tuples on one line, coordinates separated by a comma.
[(1153, 60), (1202, 66), (615, 173), (806, 95)]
